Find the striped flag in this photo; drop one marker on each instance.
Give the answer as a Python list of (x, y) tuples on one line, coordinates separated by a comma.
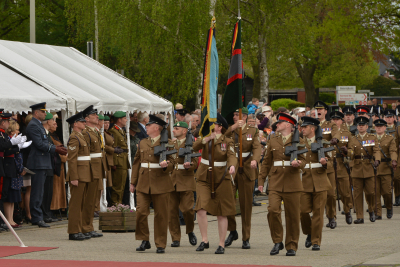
[(233, 96), (210, 84)]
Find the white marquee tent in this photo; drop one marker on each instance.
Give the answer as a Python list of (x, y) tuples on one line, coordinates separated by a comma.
[(68, 81)]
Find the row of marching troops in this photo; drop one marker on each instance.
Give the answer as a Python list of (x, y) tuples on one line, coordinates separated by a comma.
[(306, 173)]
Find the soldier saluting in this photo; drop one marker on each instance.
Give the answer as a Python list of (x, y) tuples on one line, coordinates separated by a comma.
[(316, 185), (151, 179), (284, 184), (182, 198), (387, 147), (245, 177), (361, 149)]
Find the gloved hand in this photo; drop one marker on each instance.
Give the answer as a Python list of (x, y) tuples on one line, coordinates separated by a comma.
[(344, 150), (23, 139), (15, 140), (118, 150), (394, 164), (61, 150), (376, 163), (334, 141), (24, 145)]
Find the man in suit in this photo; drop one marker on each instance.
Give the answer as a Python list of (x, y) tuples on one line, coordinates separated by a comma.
[(143, 119), (40, 160)]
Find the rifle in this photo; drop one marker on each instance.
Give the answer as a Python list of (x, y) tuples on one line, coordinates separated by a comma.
[(370, 125), (350, 180), (353, 129), (162, 149), (187, 152), (319, 146), (337, 182), (391, 169), (292, 150), (375, 172)]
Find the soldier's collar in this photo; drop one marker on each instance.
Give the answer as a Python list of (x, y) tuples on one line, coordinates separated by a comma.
[(117, 127)]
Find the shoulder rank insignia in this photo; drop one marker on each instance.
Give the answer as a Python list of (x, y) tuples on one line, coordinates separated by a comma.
[(72, 147)]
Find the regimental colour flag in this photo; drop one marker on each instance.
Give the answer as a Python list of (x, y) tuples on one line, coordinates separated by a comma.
[(210, 84), (233, 96)]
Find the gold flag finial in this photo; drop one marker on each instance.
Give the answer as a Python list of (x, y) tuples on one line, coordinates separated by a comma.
[(213, 22)]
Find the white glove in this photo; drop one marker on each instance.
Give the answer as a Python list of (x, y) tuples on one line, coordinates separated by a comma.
[(23, 140), (24, 145), (15, 140)]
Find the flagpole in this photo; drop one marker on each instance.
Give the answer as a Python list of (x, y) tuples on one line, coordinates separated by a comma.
[(240, 116)]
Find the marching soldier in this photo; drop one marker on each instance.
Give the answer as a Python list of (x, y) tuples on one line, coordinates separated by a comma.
[(284, 184), (341, 139), (182, 198), (220, 202), (95, 144), (316, 185), (120, 160), (153, 183), (79, 177), (387, 147), (245, 178), (349, 118), (396, 180), (329, 130), (361, 149), (389, 117)]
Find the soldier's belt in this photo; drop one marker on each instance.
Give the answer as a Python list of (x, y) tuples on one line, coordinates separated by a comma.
[(386, 160), (179, 167), (313, 165), (96, 155), (245, 154), (362, 157), (150, 165), (216, 164), (83, 158), (282, 163)]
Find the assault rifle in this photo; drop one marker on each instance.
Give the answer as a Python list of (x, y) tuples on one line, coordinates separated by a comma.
[(389, 160), (319, 146), (293, 150), (162, 149), (187, 152), (350, 179)]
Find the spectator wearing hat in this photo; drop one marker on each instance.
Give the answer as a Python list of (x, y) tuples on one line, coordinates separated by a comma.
[(48, 216), (182, 198), (388, 151), (180, 114), (143, 119), (121, 162), (316, 185), (245, 176), (329, 130), (284, 185), (152, 182), (342, 138), (361, 149), (59, 199), (40, 160), (223, 204), (26, 191)]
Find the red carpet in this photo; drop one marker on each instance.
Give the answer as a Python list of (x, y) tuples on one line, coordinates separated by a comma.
[(52, 263), (6, 251)]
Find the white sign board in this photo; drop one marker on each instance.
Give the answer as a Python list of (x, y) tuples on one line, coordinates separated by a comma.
[(355, 99), (346, 88)]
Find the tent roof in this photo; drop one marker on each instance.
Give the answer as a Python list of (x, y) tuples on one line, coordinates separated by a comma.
[(18, 93), (78, 78)]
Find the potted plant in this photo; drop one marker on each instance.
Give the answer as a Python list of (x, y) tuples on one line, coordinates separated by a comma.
[(118, 218)]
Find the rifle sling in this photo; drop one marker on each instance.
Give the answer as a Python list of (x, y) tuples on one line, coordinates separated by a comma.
[(240, 169)]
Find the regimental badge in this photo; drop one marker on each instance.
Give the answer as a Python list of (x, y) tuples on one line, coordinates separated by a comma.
[(72, 147), (249, 137), (344, 139), (223, 147), (326, 130), (174, 156)]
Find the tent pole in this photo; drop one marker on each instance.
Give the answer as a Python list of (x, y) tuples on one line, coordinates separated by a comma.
[(128, 140)]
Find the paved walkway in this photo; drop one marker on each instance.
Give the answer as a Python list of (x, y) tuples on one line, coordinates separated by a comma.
[(347, 245)]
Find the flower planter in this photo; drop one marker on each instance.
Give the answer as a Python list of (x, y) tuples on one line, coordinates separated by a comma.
[(117, 221)]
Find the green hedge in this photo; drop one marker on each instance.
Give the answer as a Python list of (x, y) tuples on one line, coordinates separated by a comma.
[(287, 103)]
